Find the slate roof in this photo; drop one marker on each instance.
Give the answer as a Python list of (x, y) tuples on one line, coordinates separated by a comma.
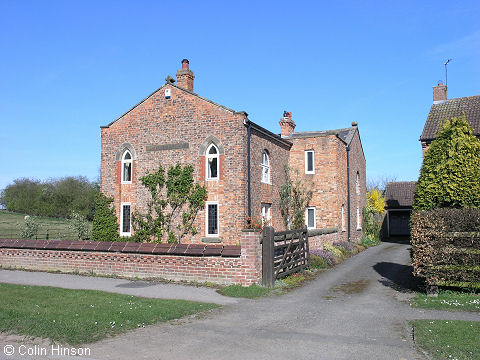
[(470, 106), (399, 194), (346, 135)]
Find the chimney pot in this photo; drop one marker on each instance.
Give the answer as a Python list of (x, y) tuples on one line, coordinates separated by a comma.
[(185, 76)]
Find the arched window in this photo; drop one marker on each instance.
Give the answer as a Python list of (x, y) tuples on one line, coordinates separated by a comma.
[(126, 167), (213, 162), (265, 167)]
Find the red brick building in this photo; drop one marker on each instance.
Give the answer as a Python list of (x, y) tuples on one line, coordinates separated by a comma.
[(241, 164)]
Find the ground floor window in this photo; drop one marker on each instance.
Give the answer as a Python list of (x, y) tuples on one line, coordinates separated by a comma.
[(266, 214), (343, 218), (211, 218), (125, 220), (310, 217), (359, 219)]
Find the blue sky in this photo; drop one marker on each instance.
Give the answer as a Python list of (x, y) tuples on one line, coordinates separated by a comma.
[(68, 67)]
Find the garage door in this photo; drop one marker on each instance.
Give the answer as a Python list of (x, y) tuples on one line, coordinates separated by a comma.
[(399, 223)]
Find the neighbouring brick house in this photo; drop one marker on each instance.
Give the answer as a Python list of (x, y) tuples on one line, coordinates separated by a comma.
[(444, 108), (241, 163)]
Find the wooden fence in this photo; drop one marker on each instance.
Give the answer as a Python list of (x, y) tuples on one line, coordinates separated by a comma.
[(283, 253)]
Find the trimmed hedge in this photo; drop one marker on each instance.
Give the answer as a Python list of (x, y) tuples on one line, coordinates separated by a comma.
[(446, 246)]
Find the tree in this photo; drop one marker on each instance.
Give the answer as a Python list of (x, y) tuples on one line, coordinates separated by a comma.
[(450, 174), (105, 225), (174, 205), (295, 195), (54, 197), (79, 224)]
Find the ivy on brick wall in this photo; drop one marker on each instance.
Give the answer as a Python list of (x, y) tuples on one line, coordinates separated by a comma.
[(175, 202), (450, 174)]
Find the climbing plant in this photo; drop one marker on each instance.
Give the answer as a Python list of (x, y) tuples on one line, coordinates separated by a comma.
[(295, 195), (173, 207)]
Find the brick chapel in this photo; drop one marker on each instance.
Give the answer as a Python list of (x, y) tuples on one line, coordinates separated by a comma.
[(241, 164)]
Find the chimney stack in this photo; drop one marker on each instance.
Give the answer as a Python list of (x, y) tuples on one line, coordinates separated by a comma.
[(185, 76), (287, 125), (439, 93)]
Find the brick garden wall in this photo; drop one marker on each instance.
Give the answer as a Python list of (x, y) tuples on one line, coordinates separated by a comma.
[(316, 242), (214, 263)]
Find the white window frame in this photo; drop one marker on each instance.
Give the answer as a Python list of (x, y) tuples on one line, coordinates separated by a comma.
[(206, 219), (314, 217), (207, 163), (344, 228), (357, 184), (306, 162), (266, 214), (127, 161), (266, 168), (359, 219), (122, 233)]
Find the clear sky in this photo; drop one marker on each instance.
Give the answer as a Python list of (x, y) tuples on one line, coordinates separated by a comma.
[(68, 67)]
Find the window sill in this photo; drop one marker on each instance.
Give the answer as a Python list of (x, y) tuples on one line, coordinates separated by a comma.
[(211, 240), (126, 182)]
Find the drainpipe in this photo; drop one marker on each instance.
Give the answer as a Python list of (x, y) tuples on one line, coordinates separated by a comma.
[(348, 191)]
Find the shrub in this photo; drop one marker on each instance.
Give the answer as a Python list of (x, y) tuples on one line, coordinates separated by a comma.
[(367, 241), (327, 256), (446, 246), (29, 228), (105, 225), (372, 223), (333, 250), (450, 173), (376, 200), (79, 224), (346, 247), (318, 262)]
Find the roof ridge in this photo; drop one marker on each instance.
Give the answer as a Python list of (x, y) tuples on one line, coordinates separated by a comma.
[(176, 86)]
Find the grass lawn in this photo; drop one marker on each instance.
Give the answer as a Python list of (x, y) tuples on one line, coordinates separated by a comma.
[(82, 316), (448, 300), (11, 222), (446, 339), (239, 291)]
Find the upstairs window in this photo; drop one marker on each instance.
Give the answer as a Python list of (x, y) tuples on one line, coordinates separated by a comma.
[(265, 167), (309, 162), (127, 168), (310, 218), (212, 162)]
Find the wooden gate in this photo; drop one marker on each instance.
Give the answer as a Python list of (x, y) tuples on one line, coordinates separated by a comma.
[(283, 253)]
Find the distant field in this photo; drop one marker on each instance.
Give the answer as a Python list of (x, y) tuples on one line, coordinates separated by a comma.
[(10, 227)]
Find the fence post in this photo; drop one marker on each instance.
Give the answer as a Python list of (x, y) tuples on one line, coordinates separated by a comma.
[(267, 256)]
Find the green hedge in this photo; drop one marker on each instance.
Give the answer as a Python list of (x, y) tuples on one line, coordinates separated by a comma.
[(446, 246)]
